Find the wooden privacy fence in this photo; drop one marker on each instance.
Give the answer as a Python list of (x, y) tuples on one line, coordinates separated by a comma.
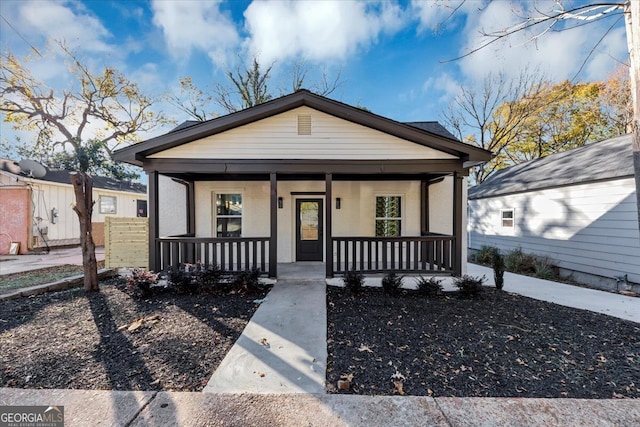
[(126, 242)]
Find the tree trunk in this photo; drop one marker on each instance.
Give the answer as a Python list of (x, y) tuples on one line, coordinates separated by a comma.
[(632, 21), (83, 188)]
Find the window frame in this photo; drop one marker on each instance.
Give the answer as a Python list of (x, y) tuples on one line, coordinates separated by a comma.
[(101, 207), (400, 218), (512, 219), (217, 216)]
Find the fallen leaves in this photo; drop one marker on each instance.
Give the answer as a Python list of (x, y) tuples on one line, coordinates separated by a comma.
[(365, 348), (136, 324), (344, 383)]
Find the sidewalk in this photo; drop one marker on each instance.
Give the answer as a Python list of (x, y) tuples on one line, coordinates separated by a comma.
[(138, 408), (10, 264), (616, 305)]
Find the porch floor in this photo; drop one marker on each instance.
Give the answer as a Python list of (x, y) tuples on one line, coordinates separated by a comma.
[(283, 348)]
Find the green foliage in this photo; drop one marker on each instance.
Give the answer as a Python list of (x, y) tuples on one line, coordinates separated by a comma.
[(469, 286), (140, 281), (497, 263), (353, 281), (485, 255), (391, 283), (519, 262), (430, 287), (543, 268)]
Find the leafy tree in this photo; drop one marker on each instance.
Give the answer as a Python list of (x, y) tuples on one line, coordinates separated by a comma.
[(569, 116), (98, 112)]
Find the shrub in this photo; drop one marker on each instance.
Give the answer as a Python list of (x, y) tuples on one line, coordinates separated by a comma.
[(353, 281), (430, 287), (543, 268), (469, 286), (209, 277), (485, 255), (182, 279), (140, 281), (247, 281), (497, 263), (519, 262), (391, 283)]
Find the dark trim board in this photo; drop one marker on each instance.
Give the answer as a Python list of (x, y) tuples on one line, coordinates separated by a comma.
[(354, 167), (308, 193)]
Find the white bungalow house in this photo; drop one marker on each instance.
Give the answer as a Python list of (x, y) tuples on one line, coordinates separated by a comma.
[(307, 178), (37, 213), (577, 207)]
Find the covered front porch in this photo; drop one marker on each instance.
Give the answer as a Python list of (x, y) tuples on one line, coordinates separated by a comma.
[(416, 249)]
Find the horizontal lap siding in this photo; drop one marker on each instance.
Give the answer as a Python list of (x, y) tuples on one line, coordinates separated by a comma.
[(590, 228), (277, 138)]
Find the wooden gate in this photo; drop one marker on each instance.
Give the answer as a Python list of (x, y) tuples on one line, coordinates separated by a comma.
[(126, 242)]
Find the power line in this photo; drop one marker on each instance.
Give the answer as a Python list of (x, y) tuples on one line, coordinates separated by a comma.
[(20, 35)]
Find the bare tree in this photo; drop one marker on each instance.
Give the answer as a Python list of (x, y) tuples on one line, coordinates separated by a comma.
[(490, 116), (105, 109), (247, 87)]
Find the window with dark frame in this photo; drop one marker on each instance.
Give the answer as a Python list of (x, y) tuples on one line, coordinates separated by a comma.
[(388, 216), (229, 215)]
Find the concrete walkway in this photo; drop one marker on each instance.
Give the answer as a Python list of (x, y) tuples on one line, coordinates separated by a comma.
[(616, 305), (283, 348), (10, 264)]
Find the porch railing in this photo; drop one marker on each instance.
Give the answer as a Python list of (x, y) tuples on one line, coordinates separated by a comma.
[(230, 253), (420, 254)]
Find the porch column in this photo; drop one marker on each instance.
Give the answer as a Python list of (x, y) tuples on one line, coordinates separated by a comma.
[(154, 226), (424, 208), (191, 208), (273, 240), (457, 224), (328, 234)]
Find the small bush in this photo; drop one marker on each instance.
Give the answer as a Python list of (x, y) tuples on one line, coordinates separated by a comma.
[(469, 286), (247, 281), (353, 281), (209, 277), (485, 255), (543, 268), (182, 278), (430, 287), (497, 263), (391, 283), (140, 281), (519, 262)]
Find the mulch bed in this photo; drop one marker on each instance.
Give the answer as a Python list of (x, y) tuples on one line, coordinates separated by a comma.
[(502, 345), (71, 339)]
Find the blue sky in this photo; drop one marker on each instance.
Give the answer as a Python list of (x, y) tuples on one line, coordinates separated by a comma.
[(390, 54)]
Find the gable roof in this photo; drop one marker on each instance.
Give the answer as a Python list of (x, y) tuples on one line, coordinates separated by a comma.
[(62, 176), (424, 133), (608, 159)]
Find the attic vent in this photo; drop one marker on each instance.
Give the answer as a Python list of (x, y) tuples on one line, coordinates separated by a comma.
[(304, 124)]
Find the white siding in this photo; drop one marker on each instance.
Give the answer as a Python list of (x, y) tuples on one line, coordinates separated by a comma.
[(591, 228), (277, 138), (172, 207)]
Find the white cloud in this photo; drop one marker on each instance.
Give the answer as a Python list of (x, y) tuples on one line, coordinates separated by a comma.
[(68, 21), (560, 54), (199, 25), (317, 30), (443, 83), (435, 14)]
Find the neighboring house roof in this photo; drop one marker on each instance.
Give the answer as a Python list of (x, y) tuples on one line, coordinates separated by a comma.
[(62, 176), (608, 159), (429, 134)]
